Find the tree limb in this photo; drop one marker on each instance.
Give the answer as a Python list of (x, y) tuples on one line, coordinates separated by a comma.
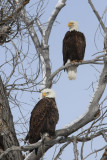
[(93, 109), (75, 149), (14, 14), (93, 61), (59, 6), (43, 49), (7, 131), (89, 115), (97, 15), (48, 143)]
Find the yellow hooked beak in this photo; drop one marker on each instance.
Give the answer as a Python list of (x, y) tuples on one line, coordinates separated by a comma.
[(44, 94), (70, 24)]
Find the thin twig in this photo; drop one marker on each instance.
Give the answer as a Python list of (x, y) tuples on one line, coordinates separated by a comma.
[(97, 15)]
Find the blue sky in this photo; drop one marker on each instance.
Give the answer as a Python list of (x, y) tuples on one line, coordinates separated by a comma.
[(73, 97)]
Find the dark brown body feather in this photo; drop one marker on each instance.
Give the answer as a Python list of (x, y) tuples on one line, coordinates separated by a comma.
[(44, 118), (73, 46)]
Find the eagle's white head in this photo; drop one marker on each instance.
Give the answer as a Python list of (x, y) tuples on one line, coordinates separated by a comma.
[(49, 93), (73, 25)]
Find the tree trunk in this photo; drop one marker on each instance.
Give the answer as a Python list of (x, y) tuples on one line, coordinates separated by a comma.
[(7, 132)]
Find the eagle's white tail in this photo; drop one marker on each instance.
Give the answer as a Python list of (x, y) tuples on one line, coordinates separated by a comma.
[(72, 70)]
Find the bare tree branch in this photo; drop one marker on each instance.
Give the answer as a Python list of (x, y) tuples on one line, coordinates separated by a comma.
[(48, 143), (43, 49), (7, 131), (75, 149), (61, 150), (93, 61), (93, 109), (102, 25), (97, 15), (17, 10), (96, 152), (40, 42), (59, 6)]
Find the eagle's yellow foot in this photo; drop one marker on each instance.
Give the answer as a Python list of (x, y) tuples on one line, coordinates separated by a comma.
[(74, 61), (81, 61)]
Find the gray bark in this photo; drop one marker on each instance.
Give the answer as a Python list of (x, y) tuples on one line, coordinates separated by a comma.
[(93, 109), (7, 132)]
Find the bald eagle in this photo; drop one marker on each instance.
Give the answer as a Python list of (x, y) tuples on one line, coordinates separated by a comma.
[(73, 48), (44, 117)]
